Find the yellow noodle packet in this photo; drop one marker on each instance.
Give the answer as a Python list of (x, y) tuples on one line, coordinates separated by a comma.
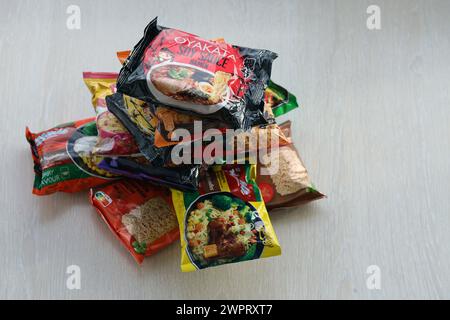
[(113, 137), (225, 221)]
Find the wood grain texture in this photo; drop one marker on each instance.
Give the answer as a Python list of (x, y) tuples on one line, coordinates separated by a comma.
[(373, 131)]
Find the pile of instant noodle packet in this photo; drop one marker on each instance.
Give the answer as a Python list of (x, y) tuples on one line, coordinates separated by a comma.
[(184, 147)]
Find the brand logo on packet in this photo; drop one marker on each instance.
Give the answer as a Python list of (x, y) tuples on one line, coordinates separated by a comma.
[(203, 46), (103, 198)]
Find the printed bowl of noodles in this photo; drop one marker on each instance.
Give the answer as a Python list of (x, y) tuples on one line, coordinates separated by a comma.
[(222, 228), (189, 87)]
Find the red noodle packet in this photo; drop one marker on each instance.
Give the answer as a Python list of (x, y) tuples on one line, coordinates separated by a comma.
[(140, 214), (63, 159)]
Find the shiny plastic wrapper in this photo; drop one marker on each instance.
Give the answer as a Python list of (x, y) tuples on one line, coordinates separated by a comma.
[(212, 79), (140, 214), (225, 221), (63, 158)]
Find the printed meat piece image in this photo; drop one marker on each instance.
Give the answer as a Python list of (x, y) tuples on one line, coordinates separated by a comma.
[(217, 229), (225, 241), (231, 249)]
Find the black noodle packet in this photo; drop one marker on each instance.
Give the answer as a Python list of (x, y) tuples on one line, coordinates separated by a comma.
[(180, 70), (180, 177)]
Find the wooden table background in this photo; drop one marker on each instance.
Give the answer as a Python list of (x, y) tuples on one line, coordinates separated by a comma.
[(373, 131)]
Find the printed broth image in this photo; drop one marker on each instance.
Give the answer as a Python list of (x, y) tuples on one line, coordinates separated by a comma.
[(221, 228), (180, 84)]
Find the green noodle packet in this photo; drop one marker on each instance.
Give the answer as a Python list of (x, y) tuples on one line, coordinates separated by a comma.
[(279, 100)]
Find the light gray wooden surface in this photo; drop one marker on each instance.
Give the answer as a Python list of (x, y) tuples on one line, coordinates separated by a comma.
[(373, 132)]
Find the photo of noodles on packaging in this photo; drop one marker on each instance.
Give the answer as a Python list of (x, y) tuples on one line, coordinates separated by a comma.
[(191, 74), (63, 159), (289, 185), (113, 137), (139, 214), (225, 221)]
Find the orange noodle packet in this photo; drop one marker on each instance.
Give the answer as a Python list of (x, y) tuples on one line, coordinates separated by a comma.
[(63, 159), (141, 215)]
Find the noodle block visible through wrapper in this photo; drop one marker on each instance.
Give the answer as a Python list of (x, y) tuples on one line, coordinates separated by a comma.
[(140, 214), (149, 220), (283, 178)]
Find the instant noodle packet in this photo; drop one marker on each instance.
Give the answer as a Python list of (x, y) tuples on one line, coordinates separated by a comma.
[(139, 214), (179, 177), (225, 221), (212, 79), (288, 184), (277, 101), (277, 98), (63, 159), (113, 137), (155, 129), (136, 117)]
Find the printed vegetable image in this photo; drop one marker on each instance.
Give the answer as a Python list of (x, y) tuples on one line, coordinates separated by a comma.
[(222, 201), (267, 191)]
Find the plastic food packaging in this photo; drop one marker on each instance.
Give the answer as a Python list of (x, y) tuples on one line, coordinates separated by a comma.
[(137, 118), (139, 214), (278, 100), (63, 159), (212, 79), (290, 184), (136, 115), (169, 121), (154, 128), (180, 177), (225, 221), (113, 137)]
